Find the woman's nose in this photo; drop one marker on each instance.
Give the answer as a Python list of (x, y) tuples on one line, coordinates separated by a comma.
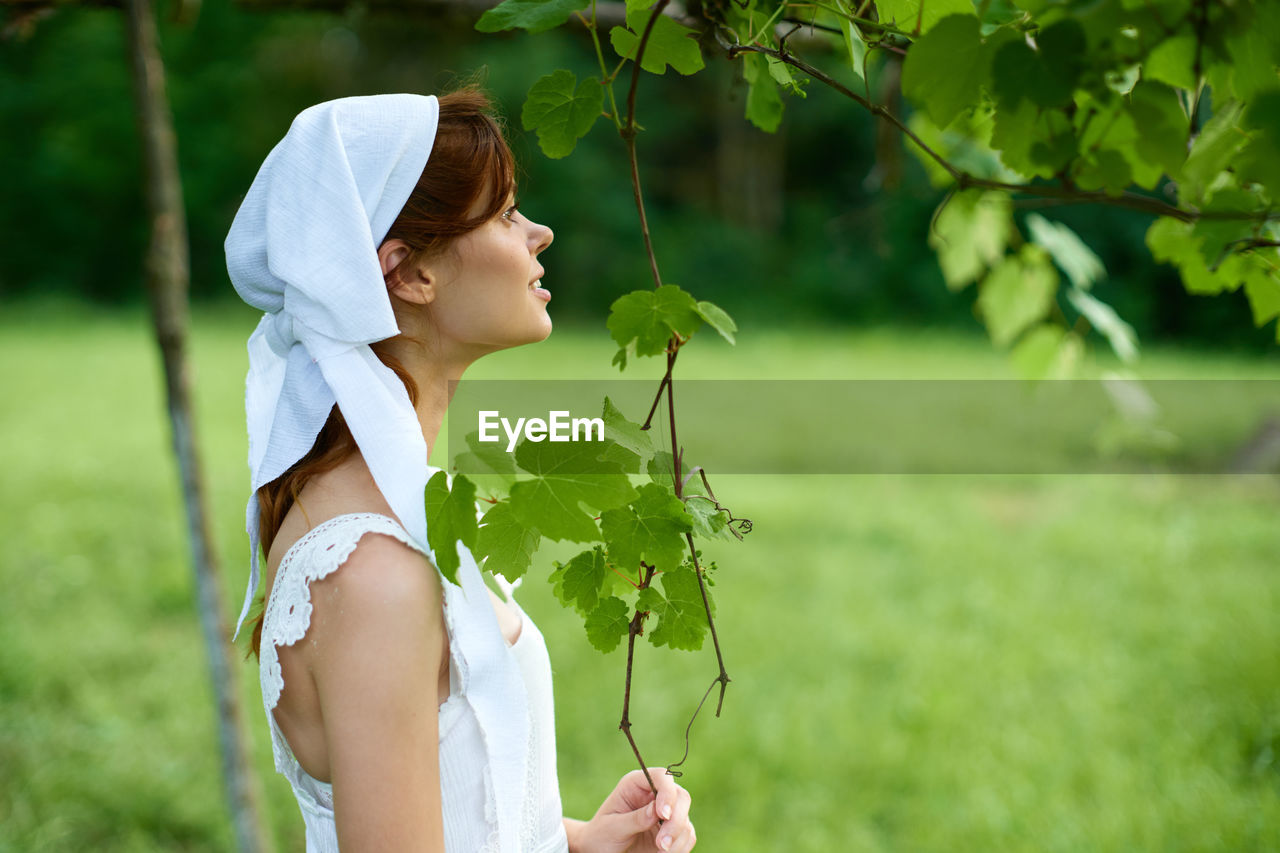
[(540, 236)]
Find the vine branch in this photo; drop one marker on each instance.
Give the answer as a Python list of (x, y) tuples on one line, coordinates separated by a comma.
[(635, 629), (965, 180), (628, 133)]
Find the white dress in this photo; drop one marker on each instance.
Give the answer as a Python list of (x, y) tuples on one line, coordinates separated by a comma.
[(476, 763)]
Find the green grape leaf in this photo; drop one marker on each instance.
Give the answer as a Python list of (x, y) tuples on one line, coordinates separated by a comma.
[(1107, 141), (485, 462), (650, 529), (648, 318), (717, 318), (505, 543), (1031, 141), (1062, 51), (1055, 144), (1214, 148), (659, 469), (1106, 170), (707, 520), (853, 42), (1169, 240), (1255, 52), (451, 518), (970, 234), (1036, 352), (783, 75), (1017, 293), (1215, 234), (905, 14), (1069, 252), (682, 618), (669, 43), (1121, 336), (567, 475), (1045, 76), (579, 582), (560, 112), (608, 624), (532, 15), (764, 101), (1161, 126), (1259, 160), (966, 145), (1174, 242), (1263, 291), (945, 67), (626, 433), (1015, 70), (1171, 62), (616, 453)]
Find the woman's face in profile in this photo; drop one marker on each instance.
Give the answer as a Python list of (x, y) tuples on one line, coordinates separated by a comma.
[(489, 293)]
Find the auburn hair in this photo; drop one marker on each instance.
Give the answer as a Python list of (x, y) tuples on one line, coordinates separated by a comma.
[(470, 156)]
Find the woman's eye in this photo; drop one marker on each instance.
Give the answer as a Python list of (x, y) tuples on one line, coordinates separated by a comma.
[(510, 211)]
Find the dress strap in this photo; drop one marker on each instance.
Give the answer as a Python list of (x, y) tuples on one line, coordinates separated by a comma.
[(316, 555)]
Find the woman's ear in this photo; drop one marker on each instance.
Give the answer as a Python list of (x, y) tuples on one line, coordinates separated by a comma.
[(414, 285)]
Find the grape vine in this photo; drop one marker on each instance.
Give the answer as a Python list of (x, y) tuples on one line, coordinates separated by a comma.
[(1018, 104)]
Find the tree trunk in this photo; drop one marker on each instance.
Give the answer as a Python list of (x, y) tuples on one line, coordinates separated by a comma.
[(167, 273)]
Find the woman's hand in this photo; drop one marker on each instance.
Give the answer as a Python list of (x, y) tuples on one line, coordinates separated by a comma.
[(628, 820)]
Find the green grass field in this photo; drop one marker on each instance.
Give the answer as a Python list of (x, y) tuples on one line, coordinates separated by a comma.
[(935, 663)]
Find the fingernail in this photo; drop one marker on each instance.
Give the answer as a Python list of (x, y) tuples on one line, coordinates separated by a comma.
[(664, 842), (666, 815)]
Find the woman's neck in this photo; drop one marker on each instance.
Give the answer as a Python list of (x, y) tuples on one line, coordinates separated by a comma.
[(436, 370)]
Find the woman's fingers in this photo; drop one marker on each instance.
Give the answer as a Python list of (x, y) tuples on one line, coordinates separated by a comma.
[(640, 820), (684, 842), (676, 834), (669, 793)]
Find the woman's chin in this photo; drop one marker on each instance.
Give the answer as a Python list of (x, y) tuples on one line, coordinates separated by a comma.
[(535, 336)]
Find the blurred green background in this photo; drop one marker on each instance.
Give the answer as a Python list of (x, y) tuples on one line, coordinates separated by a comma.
[(919, 663)]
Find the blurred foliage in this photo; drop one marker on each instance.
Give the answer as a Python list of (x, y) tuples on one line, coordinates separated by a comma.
[(842, 249)]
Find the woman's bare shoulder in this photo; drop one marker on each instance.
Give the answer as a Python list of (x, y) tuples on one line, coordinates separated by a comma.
[(382, 583)]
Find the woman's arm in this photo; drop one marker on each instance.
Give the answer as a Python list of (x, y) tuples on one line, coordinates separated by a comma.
[(377, 635), (628, 818)]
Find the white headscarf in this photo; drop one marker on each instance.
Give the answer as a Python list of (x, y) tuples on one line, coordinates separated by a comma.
[(303, 248)]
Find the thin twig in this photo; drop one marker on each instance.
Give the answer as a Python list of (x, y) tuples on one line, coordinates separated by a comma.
[(634, 630), (677, 461), (628, 133)]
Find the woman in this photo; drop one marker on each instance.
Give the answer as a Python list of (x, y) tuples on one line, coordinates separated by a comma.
[(382, 240)]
